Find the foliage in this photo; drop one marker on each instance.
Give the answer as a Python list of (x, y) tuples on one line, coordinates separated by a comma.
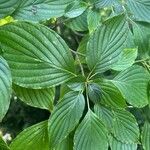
[(104, 81)]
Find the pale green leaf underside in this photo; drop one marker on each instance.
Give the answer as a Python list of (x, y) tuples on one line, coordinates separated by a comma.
[(41, 98), (125, 127), (38, 57), (3, 145), (106, 44), (40, 9), (7, 7), (117, 145), (111, 96), (32, 138), (65, 117), (140, 9), (91, 134), (146, 136), (5, 87), (132, 83)]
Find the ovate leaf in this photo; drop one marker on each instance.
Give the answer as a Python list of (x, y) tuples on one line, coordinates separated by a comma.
[(140, 9), (146, 136), (82, 49), (3, 145), (40, 9), (34, 137), (65, 117), (91, 134), (41, 98), (93, 19), (66, 144), (133, 79), (125, 127), (75, 9), (7, 7), (5, 87), (141, 32), (111, 96), (79, 23), (126, 59), (118, 145), (38, 57), (106, 44), (105, 115)]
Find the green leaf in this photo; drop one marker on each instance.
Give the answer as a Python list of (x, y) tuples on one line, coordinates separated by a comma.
[(3, 145), (82, 49), (111, 96), (40, 9), (132, 83), (79, 23), (32, 138), (94, 92), (140, 9), (7, 7), (105, 3), (118, 145), (105, 115), (65, 117), (38, 57), (75, 9), (91, 134), (125, 127), (141, 34), (66, 144), (5, 87), (146, 136), (93, 19), (41, 98), (126, 59), (106, 44)]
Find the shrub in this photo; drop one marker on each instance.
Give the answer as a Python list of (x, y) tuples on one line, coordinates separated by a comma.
[(102, 86)]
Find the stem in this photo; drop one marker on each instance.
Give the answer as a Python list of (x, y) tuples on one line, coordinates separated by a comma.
[(80, 64), (87, 98), (77, 53)]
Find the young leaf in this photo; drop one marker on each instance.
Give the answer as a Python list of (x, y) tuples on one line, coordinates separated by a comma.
[(126, 59), (105, 115), (132, 83), (94, 92), (41, 98), (82, 49), (3, 145), (125, 127), (7, 7), (65, 117), (106, 44), (93, 19), (32, 138), (91, 134), (111, 96), (79, 23), (5, 87), (118, 145), (141, 32), (38, 57), (146, 136), (40, 9), (140, 9), (75, 9)]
